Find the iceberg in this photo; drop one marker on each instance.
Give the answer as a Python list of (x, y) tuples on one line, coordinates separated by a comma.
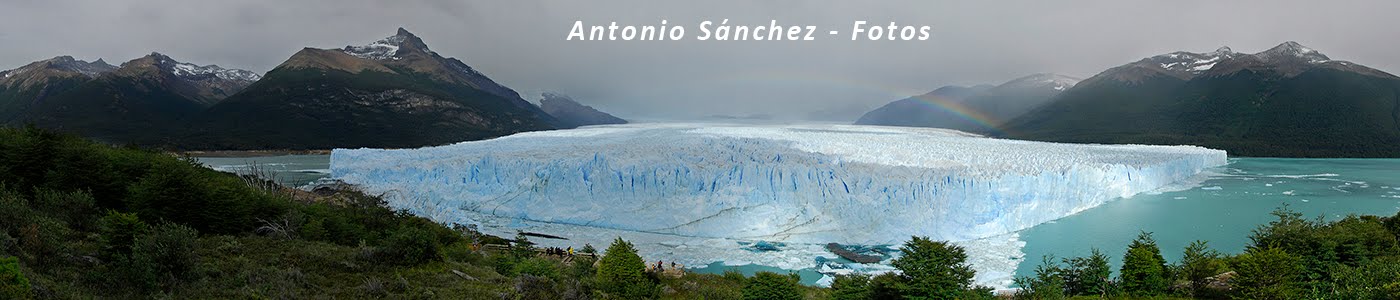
[(816, 184)]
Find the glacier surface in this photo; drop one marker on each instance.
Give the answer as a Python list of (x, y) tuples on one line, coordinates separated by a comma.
[(790, 183)]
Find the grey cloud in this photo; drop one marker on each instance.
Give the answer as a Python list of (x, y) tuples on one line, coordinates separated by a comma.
[(521, 43)]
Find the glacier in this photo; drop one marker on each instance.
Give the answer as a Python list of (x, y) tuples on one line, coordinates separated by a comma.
[(802, 184)]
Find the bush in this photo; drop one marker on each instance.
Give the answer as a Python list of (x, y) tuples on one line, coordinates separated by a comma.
[(537, 266), (1089, 275), (1144, 271), (412, 246), (621, 272), (13, 284), (771, 286), (935, 270), (1199, 262), (74, 208), (1266, 274), (1048, 283), (851, 287), (184, 192), (1376, 279), (534, 287), (164, 256), (733, 275), (117, 232)]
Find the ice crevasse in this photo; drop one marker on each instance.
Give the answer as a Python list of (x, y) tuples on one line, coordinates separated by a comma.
[(790, 183)]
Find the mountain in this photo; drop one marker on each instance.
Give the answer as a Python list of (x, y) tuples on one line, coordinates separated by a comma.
[(978, 109), (23, 87), (392, 93), (1289, 101), (573, 114), (142, 101)]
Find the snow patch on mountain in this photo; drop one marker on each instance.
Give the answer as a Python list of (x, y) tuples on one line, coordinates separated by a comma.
[(189, 70), (384, 49), (1194, 63)]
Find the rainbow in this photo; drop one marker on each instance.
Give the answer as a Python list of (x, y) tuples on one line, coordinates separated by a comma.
[(877, 89), (964, 112)]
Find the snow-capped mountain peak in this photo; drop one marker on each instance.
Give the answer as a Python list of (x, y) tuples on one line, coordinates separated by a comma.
[(189, 70), (1293, 50), (1189, 62), (387, 48), (1048, 80)]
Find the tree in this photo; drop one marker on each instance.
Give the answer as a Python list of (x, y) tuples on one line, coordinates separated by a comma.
[(13, 284), (621, 272), (1144, 270), (935, 270), (1088, 276), (1268, 273), (771, 286), (851, 287), (1048, 283), (117, 232), (410, 245), (522, 247), (1199, 262)]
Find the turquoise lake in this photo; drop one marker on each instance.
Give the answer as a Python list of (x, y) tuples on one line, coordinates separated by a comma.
[(1223, 209)]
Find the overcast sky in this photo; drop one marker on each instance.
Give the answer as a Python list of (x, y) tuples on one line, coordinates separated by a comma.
[(521, 43)]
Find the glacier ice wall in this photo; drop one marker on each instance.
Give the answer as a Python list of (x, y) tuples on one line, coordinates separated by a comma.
[(792, 183)]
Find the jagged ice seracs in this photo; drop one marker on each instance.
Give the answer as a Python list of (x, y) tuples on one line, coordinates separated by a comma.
[(790, 183)]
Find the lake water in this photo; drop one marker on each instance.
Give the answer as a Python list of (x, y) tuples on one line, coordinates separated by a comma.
[(289, 170), (1221, 209)]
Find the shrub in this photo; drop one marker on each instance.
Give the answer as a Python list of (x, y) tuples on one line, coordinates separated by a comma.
[(165, 255), (1089, 275), (412, 246), (1048, 282), (1376, 279), (771, 286), (537, 266), (13, 284), (1266, 274), (621, 272), (534, 287), (74, 208), (1144, 271), (733, 275), (1199, 262), (117, 232), (936, 270), (522, 247), (851, 287), (505, 264)]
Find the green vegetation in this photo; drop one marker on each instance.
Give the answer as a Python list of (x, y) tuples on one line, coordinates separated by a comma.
[(771, 286), (929, 270), (81, 220), (1289, 258)]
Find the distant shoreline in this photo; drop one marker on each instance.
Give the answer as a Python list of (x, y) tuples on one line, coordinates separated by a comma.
[(254, 153)]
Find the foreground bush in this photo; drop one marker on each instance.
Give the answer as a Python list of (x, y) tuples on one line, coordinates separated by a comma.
[(771, 286), (622, 273), (13, 284)]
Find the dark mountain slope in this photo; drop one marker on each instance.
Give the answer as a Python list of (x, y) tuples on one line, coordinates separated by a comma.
[(393, 93)]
